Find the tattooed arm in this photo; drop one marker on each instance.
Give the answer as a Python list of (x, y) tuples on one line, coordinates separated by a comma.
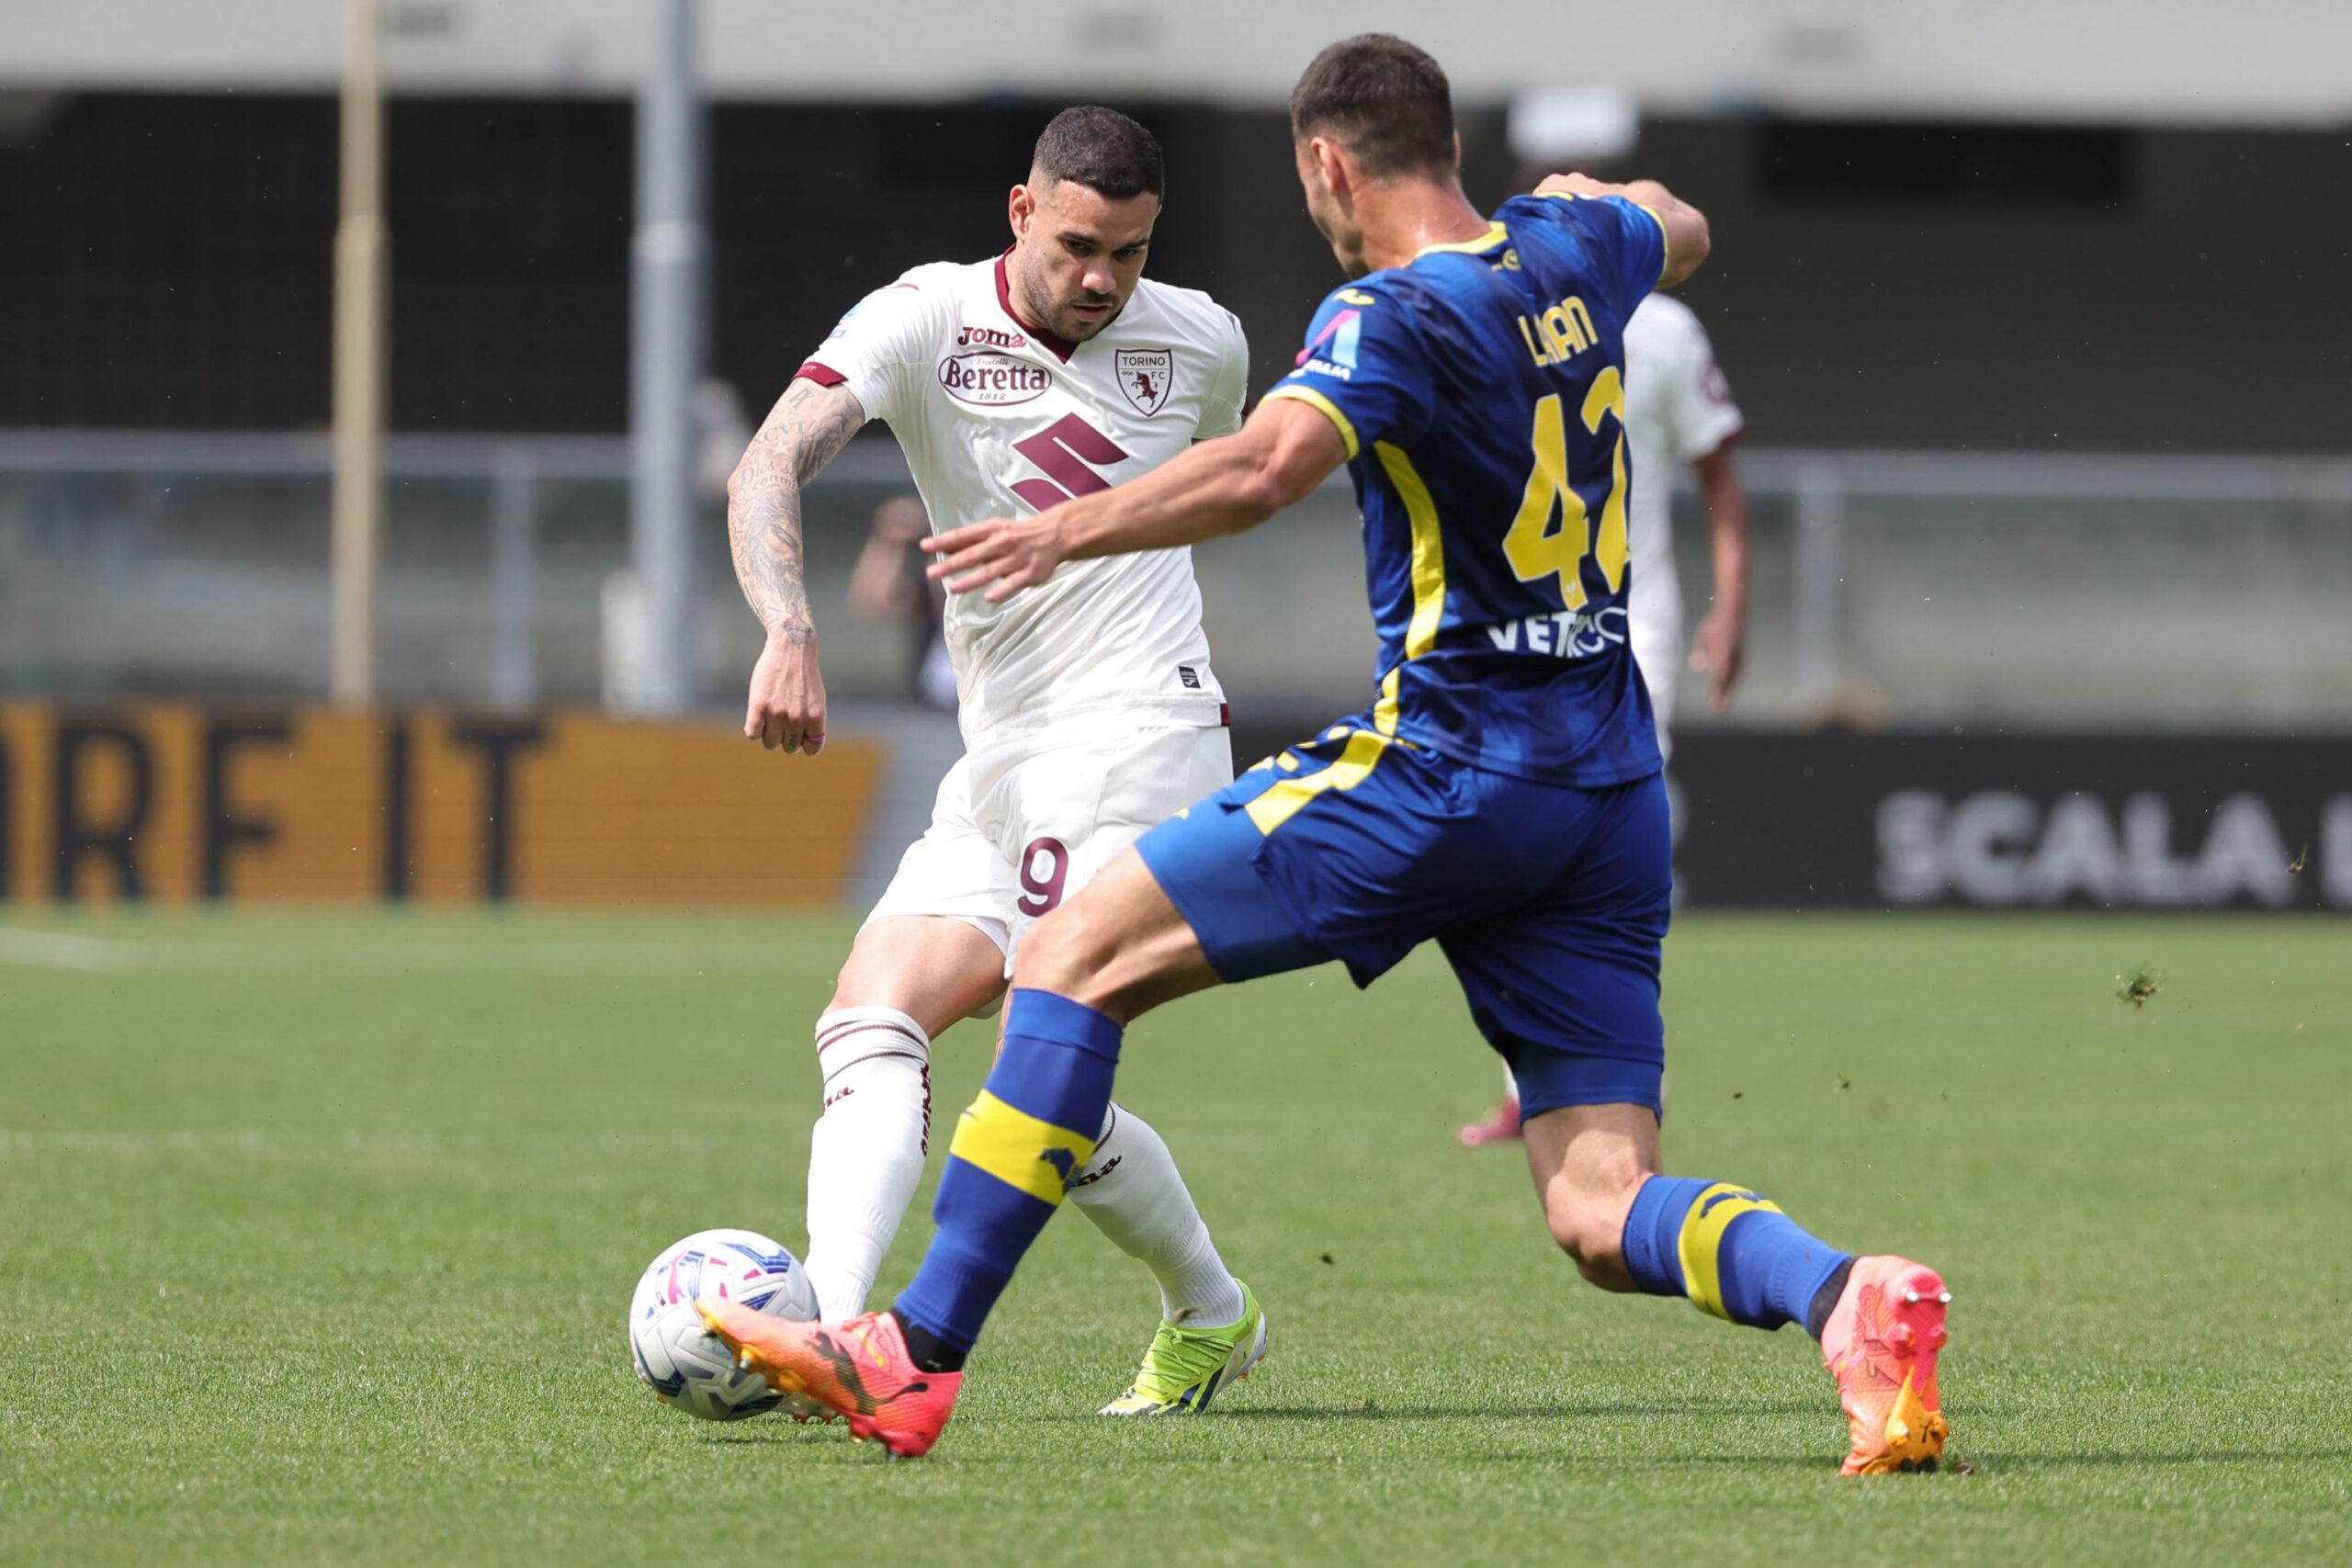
[(808, 425)]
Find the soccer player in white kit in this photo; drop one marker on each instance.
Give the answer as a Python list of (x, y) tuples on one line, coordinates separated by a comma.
[(1089, 708), (1679, 410)]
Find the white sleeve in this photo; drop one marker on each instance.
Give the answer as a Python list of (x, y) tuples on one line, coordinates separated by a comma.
[(1221, 409), (880, 350), (1700, 409)]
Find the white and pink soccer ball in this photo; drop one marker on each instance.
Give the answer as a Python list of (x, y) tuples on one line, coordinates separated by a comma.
[(683, 1363)]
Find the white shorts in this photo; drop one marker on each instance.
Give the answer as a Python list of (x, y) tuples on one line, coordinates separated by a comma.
[(1020, 826)]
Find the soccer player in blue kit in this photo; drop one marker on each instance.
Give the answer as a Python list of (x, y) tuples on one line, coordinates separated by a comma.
[(1502, 794)]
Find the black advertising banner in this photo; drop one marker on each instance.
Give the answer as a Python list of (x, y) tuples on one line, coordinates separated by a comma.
[(2004, 821)]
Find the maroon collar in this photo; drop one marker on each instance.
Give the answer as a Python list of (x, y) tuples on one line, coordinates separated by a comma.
[(1063, 348)]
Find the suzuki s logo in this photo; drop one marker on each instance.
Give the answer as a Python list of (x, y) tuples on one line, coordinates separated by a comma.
[(1144, 375), (990, 379), (1070, 450)]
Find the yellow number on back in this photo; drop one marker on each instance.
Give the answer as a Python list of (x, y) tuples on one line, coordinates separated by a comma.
[(1607, 396), (1534, 549)]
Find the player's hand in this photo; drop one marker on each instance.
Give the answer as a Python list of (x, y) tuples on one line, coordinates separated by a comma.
[(786, 707), (1574, 184), (1002, 555), (1718, 648)]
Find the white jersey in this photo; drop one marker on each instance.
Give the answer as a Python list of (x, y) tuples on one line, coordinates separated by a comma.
[(999, 419), (1678, 410)]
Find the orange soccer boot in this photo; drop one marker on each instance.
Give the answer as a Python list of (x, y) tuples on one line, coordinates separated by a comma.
[(859, 1368), (1879, 1344)]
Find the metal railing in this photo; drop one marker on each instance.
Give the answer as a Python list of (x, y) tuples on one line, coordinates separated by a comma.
[(2008, 587), (1824, 486)]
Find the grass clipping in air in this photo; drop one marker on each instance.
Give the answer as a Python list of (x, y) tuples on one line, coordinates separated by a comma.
[(2137, 984)]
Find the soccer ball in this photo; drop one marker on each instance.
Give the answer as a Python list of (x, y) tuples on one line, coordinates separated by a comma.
[(685, 1365)]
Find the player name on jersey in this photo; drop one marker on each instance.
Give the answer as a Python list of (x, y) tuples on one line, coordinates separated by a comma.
[(1560, 333)]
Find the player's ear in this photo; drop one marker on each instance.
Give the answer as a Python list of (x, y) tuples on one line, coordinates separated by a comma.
[(1019, 206), (1332, 164)]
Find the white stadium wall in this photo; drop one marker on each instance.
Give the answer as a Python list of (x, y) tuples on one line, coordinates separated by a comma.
[(2129, 62)]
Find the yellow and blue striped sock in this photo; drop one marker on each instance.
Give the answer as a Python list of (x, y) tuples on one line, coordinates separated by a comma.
[(1730, 1250), (1014, 1153)]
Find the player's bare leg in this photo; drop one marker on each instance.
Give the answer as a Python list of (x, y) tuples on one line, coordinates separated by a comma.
[(1588, 1161), (936, 970), (907, 979), (1119, 947), (1880, 1319)]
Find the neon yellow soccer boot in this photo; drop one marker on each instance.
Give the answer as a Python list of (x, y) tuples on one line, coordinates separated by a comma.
[(1185, 1368)]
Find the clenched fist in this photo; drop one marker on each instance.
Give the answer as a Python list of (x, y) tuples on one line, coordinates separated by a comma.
[(787, 707)]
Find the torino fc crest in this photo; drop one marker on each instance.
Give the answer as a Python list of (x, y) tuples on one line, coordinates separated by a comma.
[(1144, 375)]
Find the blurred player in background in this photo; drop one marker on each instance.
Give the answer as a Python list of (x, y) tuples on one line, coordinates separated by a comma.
[(1679, 410), (888, 583), (1089, 711), (1502, 794)]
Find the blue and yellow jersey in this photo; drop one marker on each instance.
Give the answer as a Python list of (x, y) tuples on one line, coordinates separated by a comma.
[(1480, 390)]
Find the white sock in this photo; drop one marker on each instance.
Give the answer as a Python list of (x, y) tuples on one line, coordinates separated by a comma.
[(1134, 1195), (865, 1154)]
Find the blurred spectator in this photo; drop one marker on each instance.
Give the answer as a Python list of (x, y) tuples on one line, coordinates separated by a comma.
[(889, 582)]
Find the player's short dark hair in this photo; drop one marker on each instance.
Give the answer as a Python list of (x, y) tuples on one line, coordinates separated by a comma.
[(1102, 150), (1383, 99)]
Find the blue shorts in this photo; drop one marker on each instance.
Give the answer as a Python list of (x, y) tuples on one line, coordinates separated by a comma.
[(1550, 902)]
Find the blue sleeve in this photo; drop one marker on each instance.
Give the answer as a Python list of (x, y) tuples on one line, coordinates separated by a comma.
[(1364, 367), (1627, 244)]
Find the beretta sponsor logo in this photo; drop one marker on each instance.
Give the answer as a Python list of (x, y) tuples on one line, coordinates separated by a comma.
[(992, 379)]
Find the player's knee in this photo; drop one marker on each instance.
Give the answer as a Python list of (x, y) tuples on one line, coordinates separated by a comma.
[(861, 983), (867, 977), (1119, 947), (1060, 954), (1587, 1245), (1590, 1228), (1077, 953)]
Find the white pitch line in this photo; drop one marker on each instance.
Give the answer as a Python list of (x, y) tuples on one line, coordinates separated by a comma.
[(437, 953), (57, 950), (31, 1140)]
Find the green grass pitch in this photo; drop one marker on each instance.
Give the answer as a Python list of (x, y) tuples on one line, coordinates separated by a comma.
[(316, 1234)]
